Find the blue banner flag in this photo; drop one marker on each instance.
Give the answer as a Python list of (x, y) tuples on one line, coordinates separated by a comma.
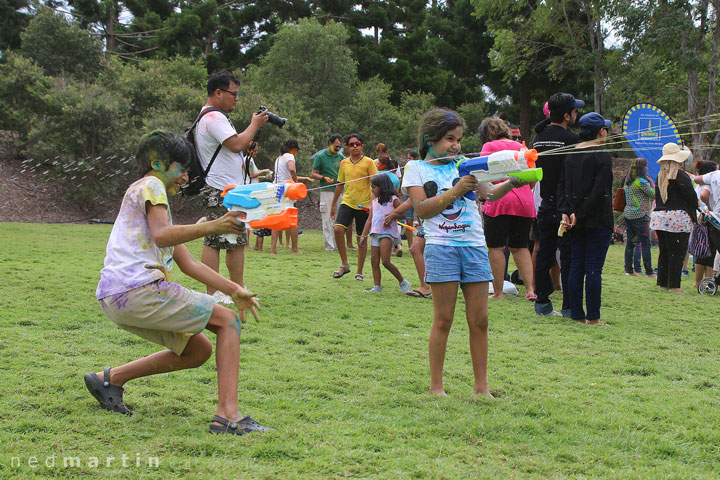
[(647, 129)]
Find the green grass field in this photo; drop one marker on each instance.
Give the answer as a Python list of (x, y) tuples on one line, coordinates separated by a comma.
[(342, 377)]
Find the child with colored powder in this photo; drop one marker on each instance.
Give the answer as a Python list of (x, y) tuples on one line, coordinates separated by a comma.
[(383, 235), (455, 252), (135, 292)]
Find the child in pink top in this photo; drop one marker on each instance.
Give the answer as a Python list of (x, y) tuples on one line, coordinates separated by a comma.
[(507, 221), (383, 231)]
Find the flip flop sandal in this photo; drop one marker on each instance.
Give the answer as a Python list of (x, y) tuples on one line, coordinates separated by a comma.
[(109, 395), (342, 270), (241, 427), (418, 294)]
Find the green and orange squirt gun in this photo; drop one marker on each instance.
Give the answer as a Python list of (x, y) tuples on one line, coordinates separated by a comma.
[(500, 166), (265, 205)]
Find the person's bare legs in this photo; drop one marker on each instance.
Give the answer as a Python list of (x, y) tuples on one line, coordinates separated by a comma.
[(211, 257), (287, 239), (555, 275), (416, 251), (349, 236), (410, 237), (534, 258), (259, 243), (235, 262), (339, 232), (523, 262), (293, 232), (476, 313), (385, 253), (497, 265), (226, 325), (375, 264), (197, 352), (702, 271), (362, 253), (444, 297), (274, 236)]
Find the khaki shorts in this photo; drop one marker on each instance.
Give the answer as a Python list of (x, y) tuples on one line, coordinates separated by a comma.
[(164, 313), (214, 209)]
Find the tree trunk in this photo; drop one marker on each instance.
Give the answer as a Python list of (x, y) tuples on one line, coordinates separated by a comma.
[(525, 105), (110, 29), (209, 42)]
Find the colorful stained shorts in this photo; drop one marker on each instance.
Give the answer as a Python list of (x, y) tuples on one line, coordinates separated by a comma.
[(214, 209), (163, 312)]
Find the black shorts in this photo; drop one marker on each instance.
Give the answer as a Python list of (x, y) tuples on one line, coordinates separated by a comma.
[(509, 230), (707, 261), (345, 216)]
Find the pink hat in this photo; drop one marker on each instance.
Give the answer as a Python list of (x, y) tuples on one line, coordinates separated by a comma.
[(546, 110)]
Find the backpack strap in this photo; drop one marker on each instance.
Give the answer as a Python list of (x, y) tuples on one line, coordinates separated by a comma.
[(217, 150)]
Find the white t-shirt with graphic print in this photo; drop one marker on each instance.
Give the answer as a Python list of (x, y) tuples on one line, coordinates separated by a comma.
[(459, 225), (131, 247)]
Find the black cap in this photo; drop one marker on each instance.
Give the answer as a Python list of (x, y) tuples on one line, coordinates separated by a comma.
[(563, 103)]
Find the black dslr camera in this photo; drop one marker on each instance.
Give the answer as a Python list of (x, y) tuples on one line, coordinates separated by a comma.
[(272, 118)]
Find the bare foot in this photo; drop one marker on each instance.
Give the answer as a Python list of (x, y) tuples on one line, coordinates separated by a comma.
[(676, 290), (652, 275), (274, 252), (297, 252), (497, 297), (439, 393), (483, 391), (595, 322)]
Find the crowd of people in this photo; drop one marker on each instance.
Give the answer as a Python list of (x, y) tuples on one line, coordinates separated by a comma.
[(566, 220)]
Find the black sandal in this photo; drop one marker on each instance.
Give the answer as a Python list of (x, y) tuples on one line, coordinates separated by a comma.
[(241, 427), (109, 395)]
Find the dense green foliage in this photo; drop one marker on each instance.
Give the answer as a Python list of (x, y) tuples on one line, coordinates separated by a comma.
[(366, 66), (342, 377)]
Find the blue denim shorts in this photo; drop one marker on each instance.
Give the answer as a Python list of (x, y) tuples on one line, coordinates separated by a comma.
[(456, 264), (376, 237)]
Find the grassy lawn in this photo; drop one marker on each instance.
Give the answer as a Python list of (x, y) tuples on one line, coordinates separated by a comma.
[(342, 377)]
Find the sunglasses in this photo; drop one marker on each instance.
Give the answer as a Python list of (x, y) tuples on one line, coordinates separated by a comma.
[(234, 94), (354, 144)]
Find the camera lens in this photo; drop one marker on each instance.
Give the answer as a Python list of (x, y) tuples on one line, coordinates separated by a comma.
[(272, 118), (276, 120)]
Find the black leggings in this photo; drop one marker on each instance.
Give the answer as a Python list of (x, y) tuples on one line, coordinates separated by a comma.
[(673, 247)]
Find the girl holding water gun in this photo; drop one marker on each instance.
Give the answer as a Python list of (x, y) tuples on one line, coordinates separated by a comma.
[(383, 234), (455, 252)]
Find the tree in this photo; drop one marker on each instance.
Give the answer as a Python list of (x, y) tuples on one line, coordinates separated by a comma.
[(693, 28), (309, 62), (13, 20), (80, 55), (534, 40)]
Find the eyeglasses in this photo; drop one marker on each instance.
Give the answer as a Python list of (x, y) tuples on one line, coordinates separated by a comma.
[(234, 94), (354, 144)]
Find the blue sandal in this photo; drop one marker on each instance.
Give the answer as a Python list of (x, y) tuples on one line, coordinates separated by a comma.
[(109, 395)]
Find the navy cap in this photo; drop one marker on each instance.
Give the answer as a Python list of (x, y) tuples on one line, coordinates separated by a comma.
[(592, 122), (563, 103)]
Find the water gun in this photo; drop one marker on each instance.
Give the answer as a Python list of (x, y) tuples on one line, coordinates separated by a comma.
[(265, 205), (500, 166)]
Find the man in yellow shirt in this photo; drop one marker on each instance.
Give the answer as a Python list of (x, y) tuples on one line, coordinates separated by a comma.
[(354, 175)]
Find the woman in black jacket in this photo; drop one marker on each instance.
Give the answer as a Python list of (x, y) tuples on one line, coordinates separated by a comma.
[(585, 195), (674, 215)]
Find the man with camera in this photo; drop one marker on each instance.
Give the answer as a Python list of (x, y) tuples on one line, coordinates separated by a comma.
[(215, 130)]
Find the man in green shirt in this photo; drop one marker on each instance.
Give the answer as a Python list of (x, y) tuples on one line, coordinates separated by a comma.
[(325, 168)]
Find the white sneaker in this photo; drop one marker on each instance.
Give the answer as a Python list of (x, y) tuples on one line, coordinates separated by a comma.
[(220, 297), (375, 289), (405, 286)]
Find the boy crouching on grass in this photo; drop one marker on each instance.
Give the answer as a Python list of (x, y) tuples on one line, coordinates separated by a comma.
[(134, 291)]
